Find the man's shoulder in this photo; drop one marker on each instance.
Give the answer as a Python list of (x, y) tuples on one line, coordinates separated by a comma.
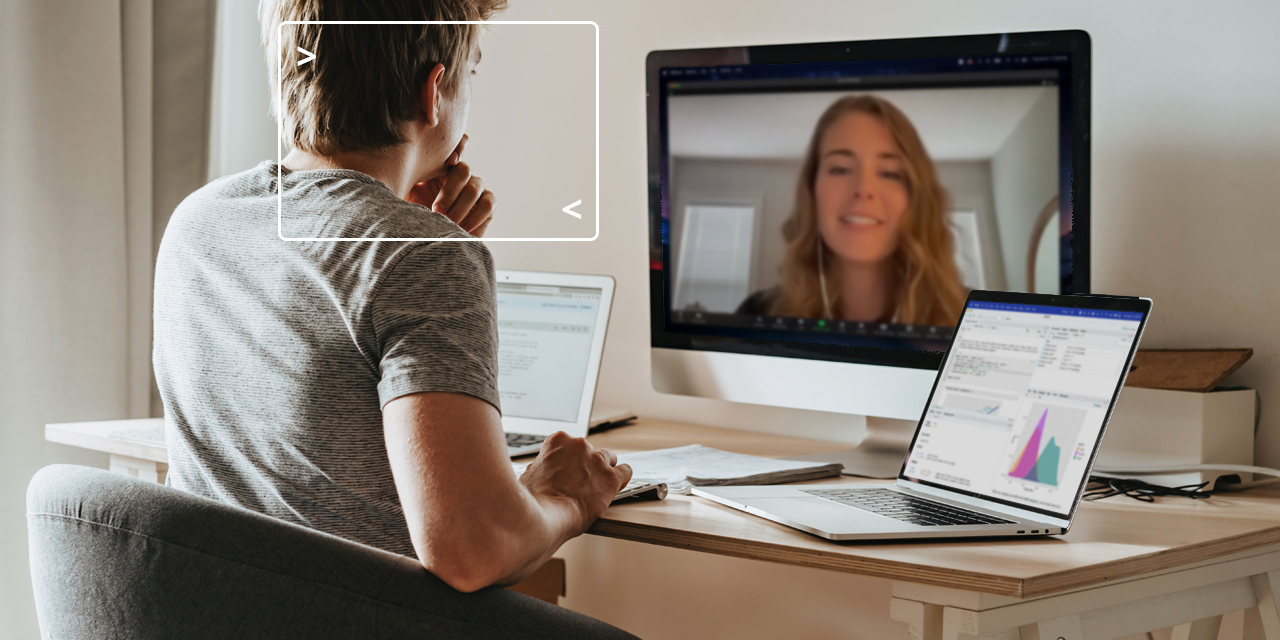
[(314, 205), (349, 205), (220, 193), (287, 222)]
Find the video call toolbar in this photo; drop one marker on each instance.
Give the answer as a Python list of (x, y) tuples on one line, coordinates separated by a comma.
[(813, 326)]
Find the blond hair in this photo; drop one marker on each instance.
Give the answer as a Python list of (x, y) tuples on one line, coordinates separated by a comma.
[(362, 86), (929, 287)]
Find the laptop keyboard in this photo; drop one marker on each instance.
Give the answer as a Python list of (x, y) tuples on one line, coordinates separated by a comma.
[(898, 506), (523, 439)]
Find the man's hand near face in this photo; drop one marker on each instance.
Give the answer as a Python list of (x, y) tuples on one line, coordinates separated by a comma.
[(458, 195)]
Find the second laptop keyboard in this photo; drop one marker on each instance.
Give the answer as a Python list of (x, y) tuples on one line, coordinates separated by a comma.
[(906, 508), (515, 440)]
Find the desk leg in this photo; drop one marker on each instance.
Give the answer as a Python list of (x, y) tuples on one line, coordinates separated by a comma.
[(1064, 628), (1266, 588), (1252, 625), (1206, 629), (138, 468), (924, 620)]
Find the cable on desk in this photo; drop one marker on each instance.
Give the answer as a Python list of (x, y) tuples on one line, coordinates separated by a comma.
[(1100, 487)]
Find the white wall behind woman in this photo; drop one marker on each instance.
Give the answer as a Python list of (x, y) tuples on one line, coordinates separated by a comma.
[(1186, 210), (1024, 177)]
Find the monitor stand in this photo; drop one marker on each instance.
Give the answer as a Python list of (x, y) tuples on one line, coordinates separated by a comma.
[(881, 453)]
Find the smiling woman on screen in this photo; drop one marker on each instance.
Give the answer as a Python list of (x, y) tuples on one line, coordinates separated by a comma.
[(868, 238)]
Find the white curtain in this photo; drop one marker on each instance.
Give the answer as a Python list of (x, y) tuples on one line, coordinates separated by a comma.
[(242, 132), (103, 130)]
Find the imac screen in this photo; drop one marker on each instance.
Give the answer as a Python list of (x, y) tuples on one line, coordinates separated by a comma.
[(857, 203)]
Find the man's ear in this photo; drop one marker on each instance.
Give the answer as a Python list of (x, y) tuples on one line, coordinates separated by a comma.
[(432, 90)]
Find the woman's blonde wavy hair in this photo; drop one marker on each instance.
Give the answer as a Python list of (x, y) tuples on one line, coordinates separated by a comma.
[(929, 287)]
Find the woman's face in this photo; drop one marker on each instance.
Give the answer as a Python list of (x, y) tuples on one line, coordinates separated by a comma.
[(860, 189)]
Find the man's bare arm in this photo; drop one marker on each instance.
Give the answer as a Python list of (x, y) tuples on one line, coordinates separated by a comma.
[(472, 522)]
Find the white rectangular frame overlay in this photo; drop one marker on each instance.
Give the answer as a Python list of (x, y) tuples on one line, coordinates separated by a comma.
[(280, 132)]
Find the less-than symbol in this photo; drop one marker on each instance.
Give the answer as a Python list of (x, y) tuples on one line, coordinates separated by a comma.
[(573, 213)]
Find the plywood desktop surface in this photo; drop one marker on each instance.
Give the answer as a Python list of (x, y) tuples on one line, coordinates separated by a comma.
[(1110, 540)]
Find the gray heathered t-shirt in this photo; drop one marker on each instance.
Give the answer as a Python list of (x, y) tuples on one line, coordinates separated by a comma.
[(274, 358)]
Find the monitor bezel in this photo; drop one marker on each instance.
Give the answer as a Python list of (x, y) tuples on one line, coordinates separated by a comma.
[(1076, 43)]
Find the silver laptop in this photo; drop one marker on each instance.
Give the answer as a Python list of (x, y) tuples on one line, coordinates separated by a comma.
[(1009, 433), (551, 329)]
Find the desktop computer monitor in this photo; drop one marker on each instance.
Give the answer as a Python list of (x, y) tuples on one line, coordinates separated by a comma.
[(819, 212)]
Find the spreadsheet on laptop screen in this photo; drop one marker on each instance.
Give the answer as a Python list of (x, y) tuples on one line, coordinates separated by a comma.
[(1021, 401), (544, 347)]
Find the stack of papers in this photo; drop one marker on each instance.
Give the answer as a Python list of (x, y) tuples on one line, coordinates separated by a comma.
[(684, 468)]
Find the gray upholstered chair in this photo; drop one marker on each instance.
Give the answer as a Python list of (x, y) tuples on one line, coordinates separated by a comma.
[(117, 557)]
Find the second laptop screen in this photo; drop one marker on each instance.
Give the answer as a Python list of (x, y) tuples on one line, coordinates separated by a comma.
[(544, 347)]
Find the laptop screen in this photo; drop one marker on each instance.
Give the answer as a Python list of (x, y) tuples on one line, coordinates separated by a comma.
[(544, 347), (1021, 401)]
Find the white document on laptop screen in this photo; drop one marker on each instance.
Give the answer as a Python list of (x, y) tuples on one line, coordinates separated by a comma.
[(544, 345), (1022, 400)]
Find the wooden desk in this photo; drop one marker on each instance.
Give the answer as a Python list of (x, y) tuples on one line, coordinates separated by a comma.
[(145, 460), (1125, 567)]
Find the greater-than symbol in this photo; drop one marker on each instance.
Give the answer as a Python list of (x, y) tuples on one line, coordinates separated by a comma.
[(309, 58), (573, 213)]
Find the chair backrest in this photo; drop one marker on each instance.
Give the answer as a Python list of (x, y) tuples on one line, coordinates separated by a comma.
[(117, 557)]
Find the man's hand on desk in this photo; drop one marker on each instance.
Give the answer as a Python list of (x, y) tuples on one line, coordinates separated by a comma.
[(570, 469)]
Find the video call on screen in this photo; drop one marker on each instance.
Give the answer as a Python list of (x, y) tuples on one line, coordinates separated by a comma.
[(795, 194)]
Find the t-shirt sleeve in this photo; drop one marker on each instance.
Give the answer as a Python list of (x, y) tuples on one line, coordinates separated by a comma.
[(435, 319)]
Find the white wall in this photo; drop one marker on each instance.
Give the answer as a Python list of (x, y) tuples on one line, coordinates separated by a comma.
[(969, 187), (1024, 176), (1186, 210), (770, 182), (954, 123)]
